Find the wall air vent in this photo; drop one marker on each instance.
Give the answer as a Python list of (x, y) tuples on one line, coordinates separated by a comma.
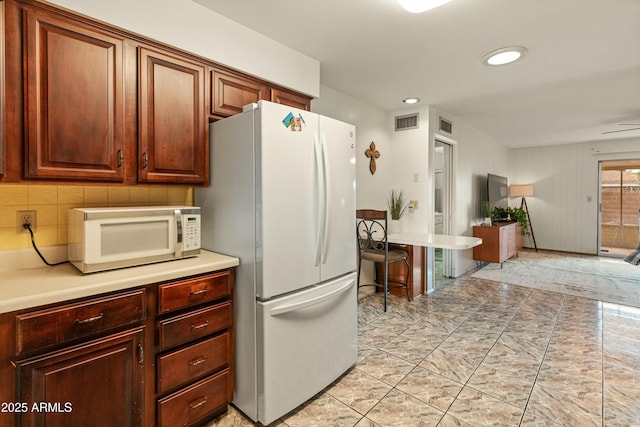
[(409, 121), (445, 125)]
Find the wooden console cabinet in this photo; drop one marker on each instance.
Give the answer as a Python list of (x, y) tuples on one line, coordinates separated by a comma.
[(499, 242)]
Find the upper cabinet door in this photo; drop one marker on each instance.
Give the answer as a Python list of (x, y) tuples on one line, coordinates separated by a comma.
[(291, 99), (74, 107), (231, 93), (173, 133)]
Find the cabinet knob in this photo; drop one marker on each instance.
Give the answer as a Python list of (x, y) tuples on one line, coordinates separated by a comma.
[(120, 158), (145, 160)]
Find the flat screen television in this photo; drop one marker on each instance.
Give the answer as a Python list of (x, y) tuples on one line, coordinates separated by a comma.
[(497, 191)]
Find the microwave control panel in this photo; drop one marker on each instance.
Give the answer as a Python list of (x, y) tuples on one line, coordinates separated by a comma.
[(191, 236)]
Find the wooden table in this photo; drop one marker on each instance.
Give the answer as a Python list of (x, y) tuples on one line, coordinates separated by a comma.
[(420, 245)]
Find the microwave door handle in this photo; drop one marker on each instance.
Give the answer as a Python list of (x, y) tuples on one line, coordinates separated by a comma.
[(178, 216)]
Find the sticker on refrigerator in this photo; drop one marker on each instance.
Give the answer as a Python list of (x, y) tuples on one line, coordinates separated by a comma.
[(287, 120), (294, 123)]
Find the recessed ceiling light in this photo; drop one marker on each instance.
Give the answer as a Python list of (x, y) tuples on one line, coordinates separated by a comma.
[(505, 55), (411, 100), (419, 6)]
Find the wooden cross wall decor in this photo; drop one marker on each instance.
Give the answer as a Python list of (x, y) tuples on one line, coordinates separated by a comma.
[(373, 154)]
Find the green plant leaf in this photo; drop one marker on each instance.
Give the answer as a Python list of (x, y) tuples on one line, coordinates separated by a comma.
[(397, 203)]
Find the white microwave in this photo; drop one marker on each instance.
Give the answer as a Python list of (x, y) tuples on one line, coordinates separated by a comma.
[(109, 238)]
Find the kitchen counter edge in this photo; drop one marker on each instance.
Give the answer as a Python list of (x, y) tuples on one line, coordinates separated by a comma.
[(34, 286)]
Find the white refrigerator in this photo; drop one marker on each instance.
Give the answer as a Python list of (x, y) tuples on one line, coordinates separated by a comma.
[(282, 200)]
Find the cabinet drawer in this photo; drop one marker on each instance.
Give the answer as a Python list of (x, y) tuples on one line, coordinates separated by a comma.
[(78, 320), (197, 324), (197, 360), (187, 293), (187, 406)]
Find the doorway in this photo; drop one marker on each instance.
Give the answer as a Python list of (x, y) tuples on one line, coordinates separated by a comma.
[(443, 206), (619, 216)]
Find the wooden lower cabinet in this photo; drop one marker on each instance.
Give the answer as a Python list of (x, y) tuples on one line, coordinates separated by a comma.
[(99, 383), (398, 271), (194, 367), (196, 402), (499, 242), (2, 117), (159, 354)]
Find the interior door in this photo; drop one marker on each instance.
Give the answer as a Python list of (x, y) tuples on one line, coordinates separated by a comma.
[(287, 199), (443, 162), (339, 243)]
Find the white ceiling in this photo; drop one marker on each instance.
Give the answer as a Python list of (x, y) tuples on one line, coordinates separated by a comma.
[(580, 78)]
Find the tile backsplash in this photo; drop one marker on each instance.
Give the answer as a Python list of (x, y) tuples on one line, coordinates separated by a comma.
[(51, 203)]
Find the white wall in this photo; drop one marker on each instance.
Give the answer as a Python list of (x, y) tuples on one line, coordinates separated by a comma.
[(564, 208), (187, 25), (475, 155), (410, 164)]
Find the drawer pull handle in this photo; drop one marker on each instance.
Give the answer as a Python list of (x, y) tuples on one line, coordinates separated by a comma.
[(194, 404), (201, 325), (195, 362), (200, 292), (90, 319)]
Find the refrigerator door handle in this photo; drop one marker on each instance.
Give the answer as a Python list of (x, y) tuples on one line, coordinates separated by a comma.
[(320, 195), (288, 308), (327, 195)]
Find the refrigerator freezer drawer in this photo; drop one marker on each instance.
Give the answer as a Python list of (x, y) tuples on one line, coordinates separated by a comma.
[(308, 339)]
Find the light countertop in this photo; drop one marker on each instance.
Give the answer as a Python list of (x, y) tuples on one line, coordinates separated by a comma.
[(26, 282), (435, 240)]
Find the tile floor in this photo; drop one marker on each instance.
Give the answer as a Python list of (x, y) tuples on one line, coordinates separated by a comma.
[(479, 353)]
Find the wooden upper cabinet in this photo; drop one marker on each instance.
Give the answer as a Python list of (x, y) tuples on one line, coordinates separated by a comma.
[(232, 92), (81, 100), (172, 129), (74, 107), (291, 99)]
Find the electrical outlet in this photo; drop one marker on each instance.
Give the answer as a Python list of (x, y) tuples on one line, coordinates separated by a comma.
[(25, 217)]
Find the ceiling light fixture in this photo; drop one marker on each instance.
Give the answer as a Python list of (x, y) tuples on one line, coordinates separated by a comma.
[(411, 100), (505, 55), (419, 6)]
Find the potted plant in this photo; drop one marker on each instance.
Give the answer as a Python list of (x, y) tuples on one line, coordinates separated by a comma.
[(520, 215), (513, 214), (397, 204), (486, 211)]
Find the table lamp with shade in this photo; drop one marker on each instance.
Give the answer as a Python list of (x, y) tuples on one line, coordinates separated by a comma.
[(524, 191)]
